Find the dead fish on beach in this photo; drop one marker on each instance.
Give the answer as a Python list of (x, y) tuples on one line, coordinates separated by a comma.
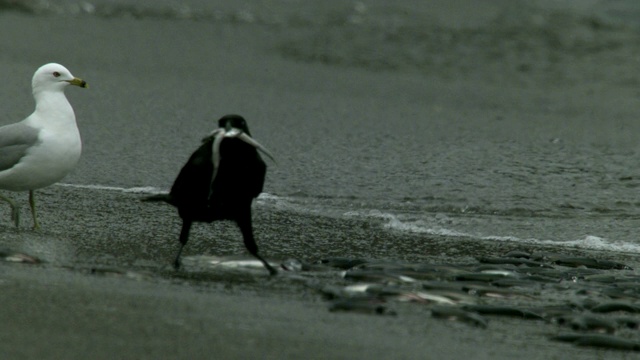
[(598, 340), (115, 272), (504, 311), (518, 254), (16, 257), (453, 313), (438, 297), (487, 276), (333, 292), (219, 182), (226, 262), (414, 271), (367, 290), (294, 265), (297, 265), (554, 313), (590, 263), (616, 307), (513, 261), (341, 263), (412, 296), (394, 293), (556, 275), (376, 276), (621, 293), (507, 283), (493, 292), (628, 322), (363, 306), (588, 322)]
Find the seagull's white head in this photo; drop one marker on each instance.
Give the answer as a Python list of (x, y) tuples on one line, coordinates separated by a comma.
[(54, 77)]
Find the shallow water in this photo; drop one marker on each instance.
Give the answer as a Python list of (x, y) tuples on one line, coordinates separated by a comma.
[(535, 153)]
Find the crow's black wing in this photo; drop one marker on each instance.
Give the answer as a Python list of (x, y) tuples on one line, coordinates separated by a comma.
[(190, 190)]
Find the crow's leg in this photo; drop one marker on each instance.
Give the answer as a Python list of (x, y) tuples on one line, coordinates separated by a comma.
[(184, 237), (244, 223)]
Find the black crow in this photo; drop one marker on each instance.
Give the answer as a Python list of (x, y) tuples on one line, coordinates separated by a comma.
[(219, 182)]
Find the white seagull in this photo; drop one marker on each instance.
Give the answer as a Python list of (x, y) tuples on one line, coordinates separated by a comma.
[(43, 148)]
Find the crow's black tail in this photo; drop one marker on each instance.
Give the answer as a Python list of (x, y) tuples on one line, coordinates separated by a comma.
[(158, 197)]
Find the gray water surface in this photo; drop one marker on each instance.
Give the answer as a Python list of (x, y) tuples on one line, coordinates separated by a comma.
[(515, 122)]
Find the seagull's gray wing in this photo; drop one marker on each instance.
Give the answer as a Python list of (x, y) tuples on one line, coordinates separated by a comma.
[(15, 140)]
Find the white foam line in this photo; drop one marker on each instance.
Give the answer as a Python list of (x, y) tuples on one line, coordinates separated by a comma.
[(135, 190), (150, 190), (588, 242)]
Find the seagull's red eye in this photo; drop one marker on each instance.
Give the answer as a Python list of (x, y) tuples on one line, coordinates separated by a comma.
[(56, 74)]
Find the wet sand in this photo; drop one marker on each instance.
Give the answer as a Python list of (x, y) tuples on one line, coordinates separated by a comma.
[(100, 295), (76, 306), (105, 290)]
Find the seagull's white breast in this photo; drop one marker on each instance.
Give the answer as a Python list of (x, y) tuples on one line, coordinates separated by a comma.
[(54, 155)]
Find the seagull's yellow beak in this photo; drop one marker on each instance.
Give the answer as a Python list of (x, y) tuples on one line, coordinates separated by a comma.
[(78, 82)]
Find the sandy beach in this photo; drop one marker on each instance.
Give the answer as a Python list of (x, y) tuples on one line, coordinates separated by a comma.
[(158, 80)]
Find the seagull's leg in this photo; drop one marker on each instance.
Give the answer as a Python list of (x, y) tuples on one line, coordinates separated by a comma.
[(184, 237), (15, 210), (244, 223), (32, 203)]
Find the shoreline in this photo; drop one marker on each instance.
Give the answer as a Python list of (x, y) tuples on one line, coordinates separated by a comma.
[(73, 306)]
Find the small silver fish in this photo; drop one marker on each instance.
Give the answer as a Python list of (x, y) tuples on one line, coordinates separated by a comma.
[(222, 133)]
